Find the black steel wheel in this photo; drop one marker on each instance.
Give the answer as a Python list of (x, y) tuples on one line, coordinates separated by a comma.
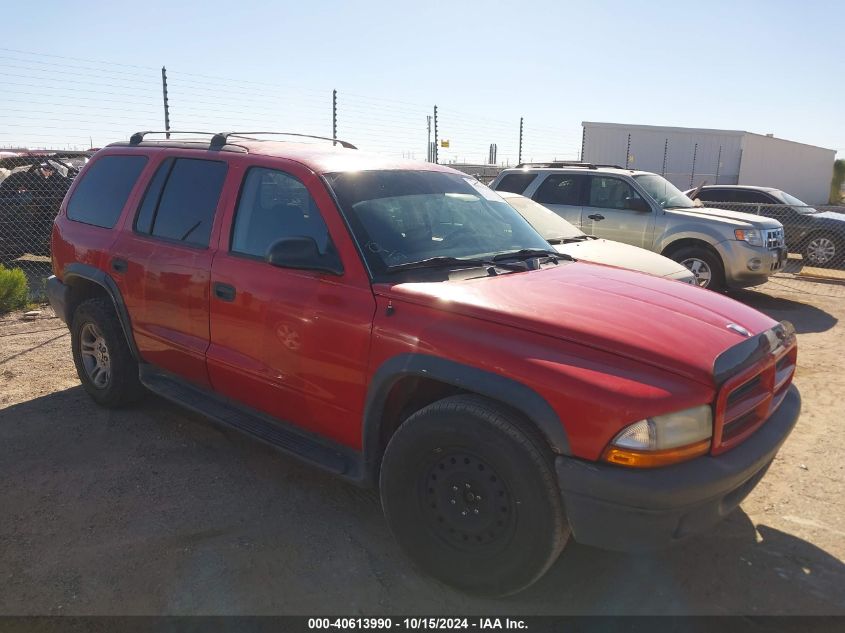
[(470, 494)]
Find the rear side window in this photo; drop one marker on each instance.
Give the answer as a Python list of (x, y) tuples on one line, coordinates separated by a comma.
[(755, 197), (515, 183), (102, 193), (560, 189), (181, 200)]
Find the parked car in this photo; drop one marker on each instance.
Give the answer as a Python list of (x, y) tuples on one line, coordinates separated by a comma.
[(818, 235), (723, 249), (572, 241), (32, 186), (398, 324)]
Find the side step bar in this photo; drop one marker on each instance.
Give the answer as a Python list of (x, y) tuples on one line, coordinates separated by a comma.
[(336, 459)]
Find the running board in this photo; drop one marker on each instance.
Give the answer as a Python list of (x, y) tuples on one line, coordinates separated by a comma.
[(336, 459)]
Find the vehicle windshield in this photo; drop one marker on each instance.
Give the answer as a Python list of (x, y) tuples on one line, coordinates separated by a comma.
[(545, 221), (802, 207), (664, 192), (404, 216)]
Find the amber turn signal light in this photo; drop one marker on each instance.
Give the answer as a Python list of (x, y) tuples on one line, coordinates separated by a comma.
[(653, 459)]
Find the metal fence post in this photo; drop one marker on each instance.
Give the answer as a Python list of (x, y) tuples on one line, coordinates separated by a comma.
[(692, 173), (166, 103), (334, 115), (628, 152), (519, 158), (436, 149), (583, 142), (718, 165), (665, 153)]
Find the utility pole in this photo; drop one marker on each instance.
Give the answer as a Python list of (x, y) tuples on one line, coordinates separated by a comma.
[(166, 104)]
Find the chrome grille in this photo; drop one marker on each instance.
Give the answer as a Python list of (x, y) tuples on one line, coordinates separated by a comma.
[(774, 238)]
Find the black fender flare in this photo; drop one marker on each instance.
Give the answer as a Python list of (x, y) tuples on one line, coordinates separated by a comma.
[(97, 276), (495, 386)]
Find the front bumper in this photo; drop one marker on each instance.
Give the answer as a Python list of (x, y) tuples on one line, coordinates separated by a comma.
[(736, 255), (57, 294), (619, 508)]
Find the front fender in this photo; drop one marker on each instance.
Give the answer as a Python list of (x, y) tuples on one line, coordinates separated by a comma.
[(465, 377)]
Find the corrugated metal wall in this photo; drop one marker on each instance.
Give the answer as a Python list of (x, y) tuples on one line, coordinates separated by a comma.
[(685, 157)]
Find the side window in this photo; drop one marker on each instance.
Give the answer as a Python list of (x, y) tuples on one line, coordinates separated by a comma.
[(515, 183), (716, 195), (611, 193), (101, 195), (753, 197), (560, 189), (274, 205), (181, 200)]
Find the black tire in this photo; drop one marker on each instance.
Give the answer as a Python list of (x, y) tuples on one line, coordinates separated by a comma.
[(122, 386), (713, 262), (470, 449), (816, 251)]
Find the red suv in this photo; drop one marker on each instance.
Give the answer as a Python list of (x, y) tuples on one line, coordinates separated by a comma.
[(399, 324)]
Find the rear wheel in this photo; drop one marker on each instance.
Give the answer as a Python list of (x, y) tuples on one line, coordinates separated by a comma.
[(104, 363), (472, 498), (705, 265)]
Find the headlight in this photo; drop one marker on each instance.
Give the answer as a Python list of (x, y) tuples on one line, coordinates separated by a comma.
[(752, 236), (663, 439)]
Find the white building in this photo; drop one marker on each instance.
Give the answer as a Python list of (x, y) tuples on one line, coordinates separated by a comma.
[(691, 156)]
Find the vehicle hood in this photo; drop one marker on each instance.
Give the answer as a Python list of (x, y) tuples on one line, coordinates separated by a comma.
[(829, 215), (676, 327), (733, 218), (624, 256)]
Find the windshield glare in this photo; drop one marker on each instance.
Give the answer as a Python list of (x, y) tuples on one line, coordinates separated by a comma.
[(402, 216), (546, 222), (664, 192)]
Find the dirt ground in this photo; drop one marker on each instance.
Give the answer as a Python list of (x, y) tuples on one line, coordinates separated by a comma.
[(152, 510)]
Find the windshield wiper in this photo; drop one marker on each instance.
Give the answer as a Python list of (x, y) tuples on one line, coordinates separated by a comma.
[(528, 253), (439, 262)]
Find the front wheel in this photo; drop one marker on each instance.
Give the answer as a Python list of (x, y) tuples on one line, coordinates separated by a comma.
[(704, 265), (823, 250), (472, 498)]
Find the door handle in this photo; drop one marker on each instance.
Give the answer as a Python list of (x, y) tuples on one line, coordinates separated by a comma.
[(224, 292), (119, 265), (596, 216)]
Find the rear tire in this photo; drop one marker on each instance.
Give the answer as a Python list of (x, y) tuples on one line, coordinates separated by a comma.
[(471, 498), (705, 265), (104, 363)]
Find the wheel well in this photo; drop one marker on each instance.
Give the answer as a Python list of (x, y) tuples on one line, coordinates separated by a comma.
[(82, 289), (406, 397), (686, 242), (412, 393)]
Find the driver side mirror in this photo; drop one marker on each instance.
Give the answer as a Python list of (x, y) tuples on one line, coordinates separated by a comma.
[(301, 252), (638, 204)]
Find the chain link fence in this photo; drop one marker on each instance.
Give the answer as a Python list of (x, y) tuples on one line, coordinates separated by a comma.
[(815, 235), (32, 186)]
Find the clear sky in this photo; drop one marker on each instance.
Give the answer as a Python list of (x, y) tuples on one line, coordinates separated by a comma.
[(757, 66)]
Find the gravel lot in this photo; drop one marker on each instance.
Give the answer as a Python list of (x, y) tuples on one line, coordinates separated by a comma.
[(152, 510)]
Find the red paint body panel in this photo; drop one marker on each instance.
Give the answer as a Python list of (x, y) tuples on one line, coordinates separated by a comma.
[(603, 346)]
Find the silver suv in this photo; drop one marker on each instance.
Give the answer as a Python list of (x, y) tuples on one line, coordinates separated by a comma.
[(723, 249)]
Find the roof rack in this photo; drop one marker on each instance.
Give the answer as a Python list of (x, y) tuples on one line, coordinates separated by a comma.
[(219, 139), (567, 163)]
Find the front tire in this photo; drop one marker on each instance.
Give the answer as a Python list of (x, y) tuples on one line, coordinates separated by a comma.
[(471, 498), (104, 363), (705, 265), (823, 250)]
